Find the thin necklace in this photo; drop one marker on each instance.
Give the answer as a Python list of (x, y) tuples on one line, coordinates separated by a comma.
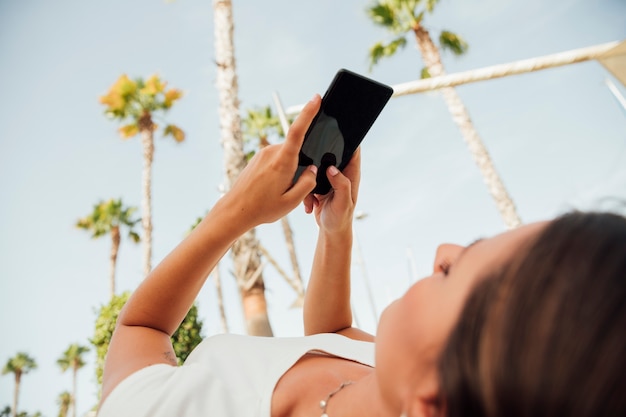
[(324, 403)]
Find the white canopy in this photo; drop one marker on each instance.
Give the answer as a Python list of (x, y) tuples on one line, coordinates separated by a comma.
[(614, 61)]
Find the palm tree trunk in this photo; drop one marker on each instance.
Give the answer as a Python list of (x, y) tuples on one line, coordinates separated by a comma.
[(249, 278), (147, 143), (16, 392), (244, 252), (291, 248), (460, 115), (217, 278), (296, 285), (115, 246), (74, 377), (64, 404)]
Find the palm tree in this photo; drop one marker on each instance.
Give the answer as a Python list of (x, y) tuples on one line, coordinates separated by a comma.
[(402, 17), (245, 251), (72, 359), (64, 401), (108, 217), (259, 124), (135, 102), (18, 365)]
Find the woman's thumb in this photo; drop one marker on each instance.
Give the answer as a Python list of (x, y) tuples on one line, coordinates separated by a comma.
[(337, 180), (305, 184)]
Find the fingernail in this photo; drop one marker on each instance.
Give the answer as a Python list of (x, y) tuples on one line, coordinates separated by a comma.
[(314, 98), (333, 170), (313, 169)]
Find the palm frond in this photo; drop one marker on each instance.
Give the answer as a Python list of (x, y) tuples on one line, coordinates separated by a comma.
[(134, 236), (171, 96), (128, 131), (130, 100), (153, 86), (382, 14), (106, 215), (261, 123), (452, 42), (376, 52), (21, 363), (380, 50), (72, 358), (175, 132), (249, 155), (430, 5)]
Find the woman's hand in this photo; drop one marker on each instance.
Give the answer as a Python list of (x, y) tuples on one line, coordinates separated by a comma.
[(327, 298), (264, 191), (334, 211)]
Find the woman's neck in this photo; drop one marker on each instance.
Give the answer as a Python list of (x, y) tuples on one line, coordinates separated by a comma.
[(361, 398)]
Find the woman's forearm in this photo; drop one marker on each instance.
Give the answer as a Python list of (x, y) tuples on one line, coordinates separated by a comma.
[(165, 296), (327, 300)]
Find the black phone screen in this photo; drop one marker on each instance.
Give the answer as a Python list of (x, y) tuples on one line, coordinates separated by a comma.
[(348, 110)]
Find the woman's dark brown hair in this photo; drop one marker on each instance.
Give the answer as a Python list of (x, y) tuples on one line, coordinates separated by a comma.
[(546, 336)]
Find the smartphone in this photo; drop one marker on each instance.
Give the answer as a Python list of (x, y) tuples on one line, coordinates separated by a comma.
[(348, 110)]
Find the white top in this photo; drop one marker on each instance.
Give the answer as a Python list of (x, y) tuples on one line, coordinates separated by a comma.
[(225, 376)]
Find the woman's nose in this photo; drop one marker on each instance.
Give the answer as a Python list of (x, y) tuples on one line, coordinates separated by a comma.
[(446, 255)]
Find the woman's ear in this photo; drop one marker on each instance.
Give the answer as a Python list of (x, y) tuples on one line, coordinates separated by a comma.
[(426, 401), (424, 407)]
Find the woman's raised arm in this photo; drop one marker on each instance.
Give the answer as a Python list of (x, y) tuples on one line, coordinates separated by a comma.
[(263, 193), (327, 301)]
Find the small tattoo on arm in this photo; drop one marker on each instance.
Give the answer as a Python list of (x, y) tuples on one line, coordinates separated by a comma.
[(170, 357)]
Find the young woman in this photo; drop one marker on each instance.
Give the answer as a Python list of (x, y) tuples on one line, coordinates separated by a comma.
[(335, 370), (546, 336)]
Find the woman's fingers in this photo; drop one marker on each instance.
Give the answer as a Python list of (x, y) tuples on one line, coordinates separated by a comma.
[(353, 172), (342, 186), (295, 136), (310, 202), (303, 187), (338, 181)]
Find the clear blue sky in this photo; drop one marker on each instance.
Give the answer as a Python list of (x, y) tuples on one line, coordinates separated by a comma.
[(557, 137)]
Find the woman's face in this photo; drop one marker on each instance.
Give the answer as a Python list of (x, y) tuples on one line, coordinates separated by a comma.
[(413, 329)]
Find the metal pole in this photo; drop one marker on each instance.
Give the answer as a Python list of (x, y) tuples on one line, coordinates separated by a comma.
[(498, 71), (620, 98), (504, 70), (281, 113), (361, 262)]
